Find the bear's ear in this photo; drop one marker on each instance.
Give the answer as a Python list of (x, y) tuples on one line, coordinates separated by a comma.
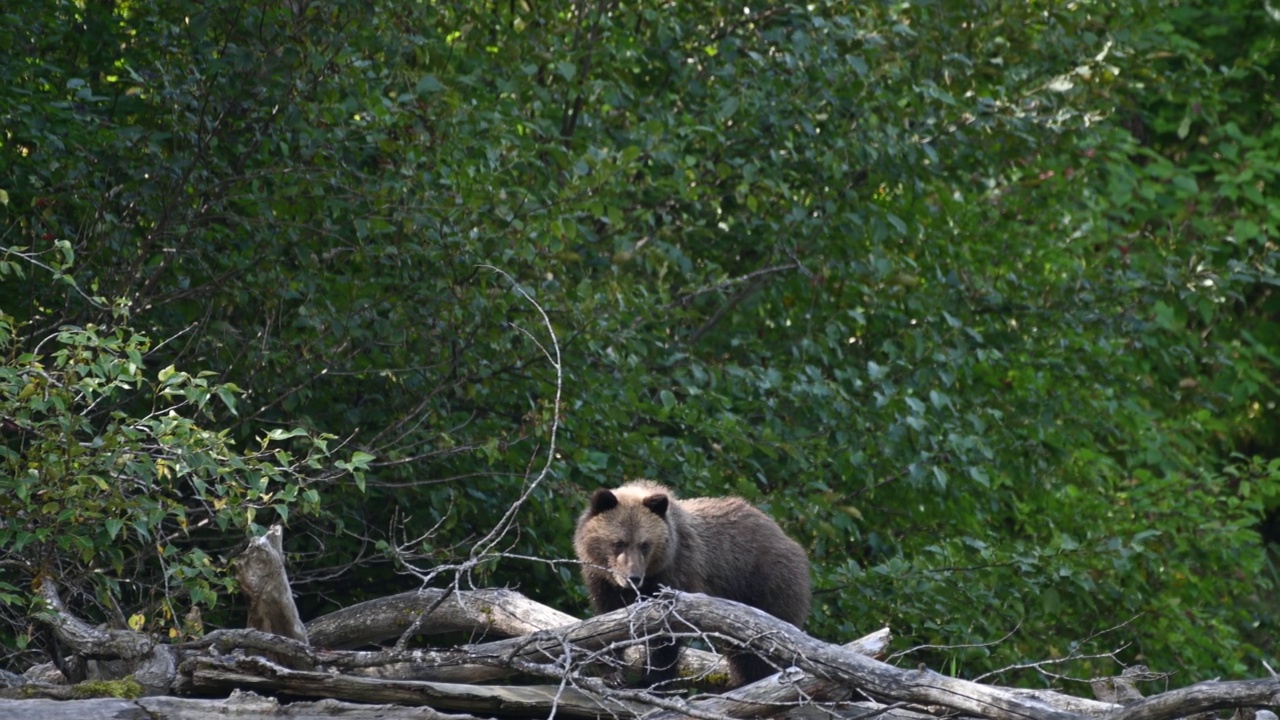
[(603, 500), (658, 504)]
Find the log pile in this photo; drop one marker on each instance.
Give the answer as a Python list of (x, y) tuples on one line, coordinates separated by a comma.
[(281, 669)]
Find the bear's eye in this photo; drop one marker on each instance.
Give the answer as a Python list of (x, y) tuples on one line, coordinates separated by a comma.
[(644, 547), (619, 546)]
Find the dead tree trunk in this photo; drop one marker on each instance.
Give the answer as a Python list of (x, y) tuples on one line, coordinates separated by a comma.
[(261, 572)]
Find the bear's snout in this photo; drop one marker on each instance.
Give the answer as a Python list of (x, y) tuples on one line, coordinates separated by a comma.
[(628, 569), (627, 580)]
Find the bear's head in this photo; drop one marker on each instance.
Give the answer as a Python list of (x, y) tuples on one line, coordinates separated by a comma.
[(626, 532)]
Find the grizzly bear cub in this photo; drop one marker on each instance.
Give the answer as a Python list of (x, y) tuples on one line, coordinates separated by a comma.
[(638, 537)]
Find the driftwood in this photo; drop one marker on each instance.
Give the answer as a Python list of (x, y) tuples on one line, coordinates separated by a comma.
[(788, 689), (245, 705), (100, 654), (261, 572), (320, 661), (499, 611), (490, 700), (822, 673), (208, 673)]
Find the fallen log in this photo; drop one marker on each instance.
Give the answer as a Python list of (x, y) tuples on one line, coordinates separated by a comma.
[(104, 654), (768, 697), (498, 610), (813, 674), (243, 705), (221, 674), (728, 622), (781, 692), (431, 611)]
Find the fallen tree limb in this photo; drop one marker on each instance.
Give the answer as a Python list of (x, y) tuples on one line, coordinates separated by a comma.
[(430, 665), (584, 697), (701, 615), (1205, 697), (782, 691), (261, 674), (1070, 703), (102, 654), (777, 639), (246, 705), (502, 611)]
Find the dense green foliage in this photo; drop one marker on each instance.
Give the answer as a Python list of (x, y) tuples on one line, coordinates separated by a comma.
[(976, 299)]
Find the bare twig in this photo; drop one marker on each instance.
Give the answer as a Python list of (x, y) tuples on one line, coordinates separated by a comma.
[(485, 548), (1073, 655), (489, 541)]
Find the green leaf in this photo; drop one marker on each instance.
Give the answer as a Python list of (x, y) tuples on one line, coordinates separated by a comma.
[(727, 108), (1165, 315), (228, 399), (283, 434), (1186, 183), (428, 84)]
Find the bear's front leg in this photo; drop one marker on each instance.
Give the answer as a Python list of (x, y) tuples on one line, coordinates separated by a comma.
[(663, 664)]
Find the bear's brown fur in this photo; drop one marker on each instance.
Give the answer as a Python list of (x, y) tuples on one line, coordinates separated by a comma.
[(638, 537)]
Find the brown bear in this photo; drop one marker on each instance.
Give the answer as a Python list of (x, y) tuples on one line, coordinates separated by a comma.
[(638, 537)]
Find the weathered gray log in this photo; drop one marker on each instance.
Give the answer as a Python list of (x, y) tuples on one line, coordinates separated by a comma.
[(1205, 697), (504, 612), (782, 691), (856, 710), (783, 643), (824, 672), (108, 654), (500, 611), (214, 674), (265, 582), (1070, 703), (101, 709), (431, 665), (241, 705)]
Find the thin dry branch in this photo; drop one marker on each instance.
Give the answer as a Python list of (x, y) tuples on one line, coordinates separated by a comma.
[(486, 548)]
